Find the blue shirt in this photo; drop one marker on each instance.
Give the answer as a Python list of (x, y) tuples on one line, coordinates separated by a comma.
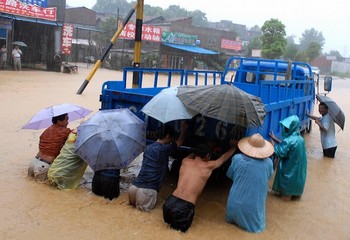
[(154, 165), (247, 198)]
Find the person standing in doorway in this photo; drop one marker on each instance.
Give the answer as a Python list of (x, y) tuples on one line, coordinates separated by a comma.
[(3, 57), (16, 55)]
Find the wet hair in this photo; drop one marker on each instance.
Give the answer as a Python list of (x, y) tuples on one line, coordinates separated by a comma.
[(165, 130), (59, 118), (323, 104), (202, 149)]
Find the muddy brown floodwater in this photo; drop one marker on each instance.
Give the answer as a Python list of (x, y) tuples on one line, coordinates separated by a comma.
[(31, 210)]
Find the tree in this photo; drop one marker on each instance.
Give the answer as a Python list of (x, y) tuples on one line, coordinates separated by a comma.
[(153, 11), (273, 39), (112, 6), (109, 27), (255, 43), (175, 11), (199, 18), (313, 51), (336, 54), (309, 36), (291, 51), (255, 28)]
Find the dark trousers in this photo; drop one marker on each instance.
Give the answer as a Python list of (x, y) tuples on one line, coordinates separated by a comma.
[(178, 213), (329, 152), (106, 186)]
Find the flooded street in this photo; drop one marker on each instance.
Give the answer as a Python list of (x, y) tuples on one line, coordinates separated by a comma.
[(32, 210)]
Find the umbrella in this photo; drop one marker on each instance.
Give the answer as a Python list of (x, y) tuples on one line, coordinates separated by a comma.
[(226, 103), (43, 118), (19, 43), (166, 107), (334, 110), (111, 139)]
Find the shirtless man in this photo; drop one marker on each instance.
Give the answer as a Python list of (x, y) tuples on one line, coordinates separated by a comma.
[(195, 170)]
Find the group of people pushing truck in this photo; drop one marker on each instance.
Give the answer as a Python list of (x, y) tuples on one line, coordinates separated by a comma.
[(250, 169)]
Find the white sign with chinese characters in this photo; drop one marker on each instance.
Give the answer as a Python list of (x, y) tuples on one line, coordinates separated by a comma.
[(67, 36)]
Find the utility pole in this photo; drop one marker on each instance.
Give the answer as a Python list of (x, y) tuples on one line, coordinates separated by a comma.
[(137, 47)]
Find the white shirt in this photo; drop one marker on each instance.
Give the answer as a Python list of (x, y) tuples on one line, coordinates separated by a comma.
[(328, 137), (16, 53)]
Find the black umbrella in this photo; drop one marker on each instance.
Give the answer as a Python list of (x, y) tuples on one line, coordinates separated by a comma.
[(333, 109)]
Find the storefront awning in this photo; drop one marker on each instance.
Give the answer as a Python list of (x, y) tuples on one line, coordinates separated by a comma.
[(188, 48), (27, 19)]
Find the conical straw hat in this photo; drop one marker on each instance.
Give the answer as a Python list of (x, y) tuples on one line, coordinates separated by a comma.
[(256, 146)]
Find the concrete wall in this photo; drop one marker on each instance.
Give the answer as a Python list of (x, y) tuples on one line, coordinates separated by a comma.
[(341, 67)]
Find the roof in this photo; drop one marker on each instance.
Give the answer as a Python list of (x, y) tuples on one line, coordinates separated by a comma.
[(190, 48)]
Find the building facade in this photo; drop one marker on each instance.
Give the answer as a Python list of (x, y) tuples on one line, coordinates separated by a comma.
[(39, 27)]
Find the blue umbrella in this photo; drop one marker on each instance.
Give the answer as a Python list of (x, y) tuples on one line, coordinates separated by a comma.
[(111, 139)]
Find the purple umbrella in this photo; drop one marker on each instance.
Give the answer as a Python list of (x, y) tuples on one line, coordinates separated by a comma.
[(43, 118)]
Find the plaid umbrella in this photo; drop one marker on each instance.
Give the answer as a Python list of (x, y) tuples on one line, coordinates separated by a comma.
[(333, 109), (226, 103)]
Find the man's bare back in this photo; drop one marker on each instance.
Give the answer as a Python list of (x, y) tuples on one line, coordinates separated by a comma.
[(194, 173)]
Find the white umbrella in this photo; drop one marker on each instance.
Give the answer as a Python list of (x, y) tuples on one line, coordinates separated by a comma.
[(19, 43), (43, 118), (167, 107)]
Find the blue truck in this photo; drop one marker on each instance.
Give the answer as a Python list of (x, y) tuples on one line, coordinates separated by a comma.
[(286, 88)]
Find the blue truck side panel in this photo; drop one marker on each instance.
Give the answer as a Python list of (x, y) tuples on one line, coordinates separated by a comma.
[(285, 89)]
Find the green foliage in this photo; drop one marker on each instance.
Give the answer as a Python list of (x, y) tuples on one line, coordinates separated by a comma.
[(336, 54), (313, 51), (291, 51), (112, 6), (255, 43), (273, 39), (309, 36), (109, 27), (173, 11)]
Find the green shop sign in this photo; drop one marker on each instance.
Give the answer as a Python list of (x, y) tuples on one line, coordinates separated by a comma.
[(178, 38)]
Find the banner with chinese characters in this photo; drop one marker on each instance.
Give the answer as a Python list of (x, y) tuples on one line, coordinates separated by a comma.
[(40, 3), (231, 44), (149, 33), (27, 10), (67, 36)]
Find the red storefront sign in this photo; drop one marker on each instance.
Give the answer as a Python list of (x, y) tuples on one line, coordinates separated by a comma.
[(28, 10), (67, 36), (231, 44), (149, 33)]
